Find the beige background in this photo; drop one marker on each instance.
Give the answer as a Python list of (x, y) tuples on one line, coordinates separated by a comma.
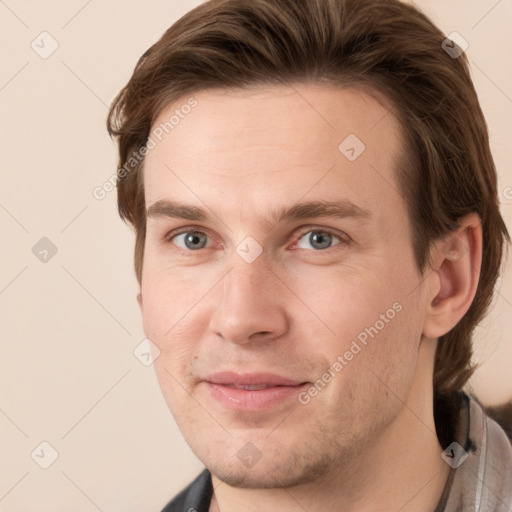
[(68, 327)]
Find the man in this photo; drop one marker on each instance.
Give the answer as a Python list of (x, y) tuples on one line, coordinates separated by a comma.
[(317, 235)]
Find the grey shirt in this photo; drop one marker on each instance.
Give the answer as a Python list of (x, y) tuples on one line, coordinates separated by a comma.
[(483, 481), (478, 482)]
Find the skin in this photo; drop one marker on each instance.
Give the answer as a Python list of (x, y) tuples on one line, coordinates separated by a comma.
[(367, 440)]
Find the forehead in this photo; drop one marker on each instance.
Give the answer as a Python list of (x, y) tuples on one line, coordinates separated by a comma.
[(246, 148)]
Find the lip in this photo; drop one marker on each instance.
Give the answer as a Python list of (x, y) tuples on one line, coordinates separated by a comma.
[(234, 391)]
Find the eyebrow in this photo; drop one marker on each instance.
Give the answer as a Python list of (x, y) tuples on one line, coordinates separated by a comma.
[(339, 209)]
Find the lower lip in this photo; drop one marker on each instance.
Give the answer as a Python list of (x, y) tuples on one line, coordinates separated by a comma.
[(256, 400)]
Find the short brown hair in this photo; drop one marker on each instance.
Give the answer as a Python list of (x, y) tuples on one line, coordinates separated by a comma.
[(386, 45)]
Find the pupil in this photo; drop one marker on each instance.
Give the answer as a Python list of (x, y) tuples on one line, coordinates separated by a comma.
[(193, 239), (320, 240)]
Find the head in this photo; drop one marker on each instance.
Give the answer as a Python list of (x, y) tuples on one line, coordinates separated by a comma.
[(317, 183)]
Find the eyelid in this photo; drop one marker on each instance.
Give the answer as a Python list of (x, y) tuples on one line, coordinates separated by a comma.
[(184, 229), (303, 230), (180, 251), (343, 237)]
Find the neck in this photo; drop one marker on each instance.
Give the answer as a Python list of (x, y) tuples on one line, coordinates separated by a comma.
[(400, 470)]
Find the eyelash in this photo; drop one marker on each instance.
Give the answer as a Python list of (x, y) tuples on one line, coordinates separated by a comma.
[(344, 239)]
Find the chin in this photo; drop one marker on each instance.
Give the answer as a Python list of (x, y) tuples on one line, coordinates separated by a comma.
[(250, 479), (271, 471)]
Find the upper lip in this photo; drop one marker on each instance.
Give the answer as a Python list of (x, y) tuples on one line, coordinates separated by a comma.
[(251, 379)]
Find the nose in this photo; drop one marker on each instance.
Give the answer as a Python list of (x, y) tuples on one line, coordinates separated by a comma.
[(251, 307)]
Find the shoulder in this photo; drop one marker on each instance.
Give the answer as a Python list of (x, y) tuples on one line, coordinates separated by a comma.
[(195, 497), (481, 477), (502, 414), (493, 470)]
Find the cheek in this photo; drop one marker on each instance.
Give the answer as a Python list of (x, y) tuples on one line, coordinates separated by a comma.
[(346, 301), (171, 299), (373, 324), (378, 365)]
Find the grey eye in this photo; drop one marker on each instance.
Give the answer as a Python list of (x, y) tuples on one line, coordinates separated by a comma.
[(318, 240), (192, 240)]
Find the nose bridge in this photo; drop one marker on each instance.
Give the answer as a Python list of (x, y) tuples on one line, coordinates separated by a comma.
[(246, 275), (247, 285), (249, 306)]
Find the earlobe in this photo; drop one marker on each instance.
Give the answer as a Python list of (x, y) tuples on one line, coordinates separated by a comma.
[(456, 271)]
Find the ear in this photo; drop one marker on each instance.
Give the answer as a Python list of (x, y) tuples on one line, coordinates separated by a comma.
[(456, 260)]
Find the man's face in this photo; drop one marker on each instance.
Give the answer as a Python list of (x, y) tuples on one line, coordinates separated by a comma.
[(252, 308)]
